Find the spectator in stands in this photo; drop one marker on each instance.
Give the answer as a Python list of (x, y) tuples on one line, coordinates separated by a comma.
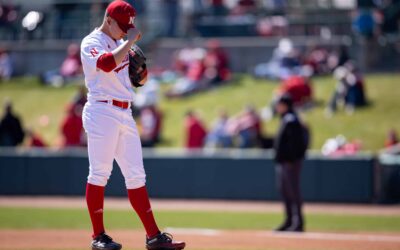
[(272, 26), (191, 64), (265, 27), (183, 57), (6, 67), (290, 146), (317, 58), (34, 140), (285, 61), (199, 69), (391, 139), (364, 23), (70, 69), (338, 57), (340, 146), (340, 92), (218, 137), (299, 88), (11, 131), (356, 95), (349, 89), (195, 131), (392, 143), (249, 131), (72, 128), (216, 64), (72, 65), (245, 128), (150, 124)]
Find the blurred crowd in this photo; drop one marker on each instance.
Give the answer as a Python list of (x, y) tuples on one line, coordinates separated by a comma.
[(177, 17), (242, 130), (293, 69), (380, 18), (202, 67), (198, 69), (69, 70), (185, 18), (288, 60)]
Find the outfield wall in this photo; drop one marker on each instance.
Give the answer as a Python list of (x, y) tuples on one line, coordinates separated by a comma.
[(228, 175)]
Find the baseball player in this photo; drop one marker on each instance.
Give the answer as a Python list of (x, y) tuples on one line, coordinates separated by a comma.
[(110, 128)]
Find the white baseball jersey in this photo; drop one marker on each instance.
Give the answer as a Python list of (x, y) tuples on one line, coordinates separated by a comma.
[(104, 85), (111, 131)]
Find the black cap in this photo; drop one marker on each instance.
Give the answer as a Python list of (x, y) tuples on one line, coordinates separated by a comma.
[(286, 99)]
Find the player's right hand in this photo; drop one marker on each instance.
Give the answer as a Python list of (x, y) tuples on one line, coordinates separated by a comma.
[(134, 34)]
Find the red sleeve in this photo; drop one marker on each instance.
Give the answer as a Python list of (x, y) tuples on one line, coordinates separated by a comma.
[(106, 62)]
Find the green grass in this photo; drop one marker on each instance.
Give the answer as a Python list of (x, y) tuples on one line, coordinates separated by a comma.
[(33, 102), (369, 124), (33, 218)]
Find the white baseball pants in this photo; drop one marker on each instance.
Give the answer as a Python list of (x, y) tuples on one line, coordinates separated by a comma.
[(112, 134)]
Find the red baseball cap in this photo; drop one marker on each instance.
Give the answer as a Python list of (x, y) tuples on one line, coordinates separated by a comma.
[(123, 13)]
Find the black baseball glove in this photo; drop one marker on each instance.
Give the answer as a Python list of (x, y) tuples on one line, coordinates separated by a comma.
[(137, 66)]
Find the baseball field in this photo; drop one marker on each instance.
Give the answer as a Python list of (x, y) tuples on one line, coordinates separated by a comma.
[(47, 223)]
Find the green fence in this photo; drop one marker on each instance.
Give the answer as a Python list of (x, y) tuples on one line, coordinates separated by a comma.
[(190, 176), (202, 175)]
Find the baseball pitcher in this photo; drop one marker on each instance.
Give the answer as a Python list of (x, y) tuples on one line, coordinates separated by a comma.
[(112, 68)]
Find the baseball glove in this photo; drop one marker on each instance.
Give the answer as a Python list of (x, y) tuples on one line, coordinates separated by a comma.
[(137, 66)]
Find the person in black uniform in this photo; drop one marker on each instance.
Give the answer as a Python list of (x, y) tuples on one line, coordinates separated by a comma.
[(11, 132), (290, 146)]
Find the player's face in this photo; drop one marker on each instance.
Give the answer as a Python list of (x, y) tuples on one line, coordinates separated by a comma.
[(281, 108), (115, 30)]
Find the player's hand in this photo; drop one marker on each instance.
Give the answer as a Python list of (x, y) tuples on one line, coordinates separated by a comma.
[(144, 73), (134, 34)]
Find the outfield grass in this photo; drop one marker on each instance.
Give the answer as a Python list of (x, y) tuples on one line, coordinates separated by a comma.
[(370, 124), (32, 218), (33, 102)]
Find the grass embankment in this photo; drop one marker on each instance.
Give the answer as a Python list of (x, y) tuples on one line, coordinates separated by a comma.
[(34, 102)]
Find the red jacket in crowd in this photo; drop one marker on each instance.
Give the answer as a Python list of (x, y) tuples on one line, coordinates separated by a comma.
[(195, 132), (72, 128), (36, 141), (298, 88)]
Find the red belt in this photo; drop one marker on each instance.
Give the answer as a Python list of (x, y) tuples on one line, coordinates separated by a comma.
[(119, 104)]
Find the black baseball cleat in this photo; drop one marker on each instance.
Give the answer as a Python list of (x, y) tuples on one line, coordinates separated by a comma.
[(296, 228), (285, 225), (163, 241), (105, 242)]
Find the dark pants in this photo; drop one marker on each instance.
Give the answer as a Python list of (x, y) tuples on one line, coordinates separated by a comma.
[(288, 180)]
